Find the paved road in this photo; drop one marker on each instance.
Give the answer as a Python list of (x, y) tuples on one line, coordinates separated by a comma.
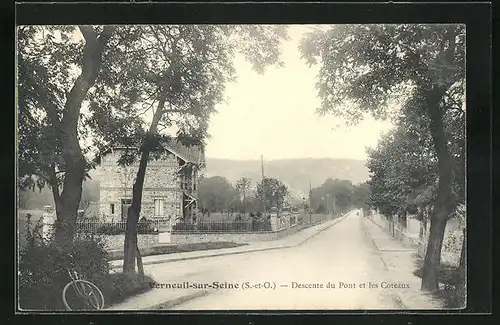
[(342, 256)]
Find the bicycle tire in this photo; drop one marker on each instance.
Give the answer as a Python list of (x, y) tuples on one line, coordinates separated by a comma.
[(77, 290)]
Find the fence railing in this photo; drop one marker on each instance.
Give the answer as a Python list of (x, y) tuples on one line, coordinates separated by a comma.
[(117, 227), (202, 226), (221, 227)]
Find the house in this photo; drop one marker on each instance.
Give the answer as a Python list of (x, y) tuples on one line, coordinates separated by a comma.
[(170, 185)]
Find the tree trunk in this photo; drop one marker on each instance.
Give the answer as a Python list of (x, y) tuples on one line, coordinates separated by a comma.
[(461, 284), (443, 201), (134, 210), (130, 245), (75, 163), (140, 266), (461, 264), (70, 197)]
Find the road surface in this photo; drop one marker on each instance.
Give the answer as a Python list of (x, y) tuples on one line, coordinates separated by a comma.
[(337, 269)]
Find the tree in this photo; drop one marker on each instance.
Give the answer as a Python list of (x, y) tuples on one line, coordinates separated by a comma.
[(334, 192), (177, 75), (360, 197), (216, 194), (364, 67), (274, 192), (243, 186), (54, 75)]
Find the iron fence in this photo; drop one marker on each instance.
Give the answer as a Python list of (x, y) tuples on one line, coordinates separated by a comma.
[(118, 227), (222, 227)]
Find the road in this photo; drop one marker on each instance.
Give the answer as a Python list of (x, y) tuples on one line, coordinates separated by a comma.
[(335, 269)]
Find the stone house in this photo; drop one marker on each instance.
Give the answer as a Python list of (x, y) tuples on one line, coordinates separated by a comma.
[(170, 185)]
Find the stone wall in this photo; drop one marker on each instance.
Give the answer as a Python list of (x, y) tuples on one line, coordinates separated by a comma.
[(452, 241), (116, 241)]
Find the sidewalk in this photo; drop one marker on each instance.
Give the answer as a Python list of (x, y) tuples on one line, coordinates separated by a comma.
[(288, 241), (154, 298), (400, 262)]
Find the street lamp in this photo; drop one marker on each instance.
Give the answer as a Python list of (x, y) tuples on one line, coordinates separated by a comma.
[(323, 199)]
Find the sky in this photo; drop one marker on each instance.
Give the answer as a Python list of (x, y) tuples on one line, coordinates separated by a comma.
[(274, 115)]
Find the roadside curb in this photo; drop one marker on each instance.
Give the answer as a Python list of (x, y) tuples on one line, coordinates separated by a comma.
[(334, 223), (177, 301), (204, 256), (396, 295), (371, 236), (168, 260)]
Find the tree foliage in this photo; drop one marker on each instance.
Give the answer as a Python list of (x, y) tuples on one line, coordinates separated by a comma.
[(55, 72), (243, 187), (216, 194), (336, 195), (363, 68), (46, 56), (404, 165), (274, 192)]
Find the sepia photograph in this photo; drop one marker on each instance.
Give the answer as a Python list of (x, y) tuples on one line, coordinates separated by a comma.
[(197, 167)]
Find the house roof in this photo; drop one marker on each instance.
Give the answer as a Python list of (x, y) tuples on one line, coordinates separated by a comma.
[(194, 154)]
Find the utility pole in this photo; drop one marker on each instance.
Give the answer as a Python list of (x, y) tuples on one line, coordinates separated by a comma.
[(263, 184), (310, 206)]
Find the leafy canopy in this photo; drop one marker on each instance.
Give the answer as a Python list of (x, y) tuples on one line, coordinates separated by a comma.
[(177, 73), (364, 68)]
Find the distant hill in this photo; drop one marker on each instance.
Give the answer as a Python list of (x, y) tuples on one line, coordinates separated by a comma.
[(29, 199), (295, 173)]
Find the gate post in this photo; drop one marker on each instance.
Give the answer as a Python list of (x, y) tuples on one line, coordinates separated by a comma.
[(164, 233)]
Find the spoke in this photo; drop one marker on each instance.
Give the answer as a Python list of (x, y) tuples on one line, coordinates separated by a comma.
[(83, 295)]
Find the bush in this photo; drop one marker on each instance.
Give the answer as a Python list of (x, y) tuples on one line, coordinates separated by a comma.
[(117, 287), (260, 224), (43, 268)]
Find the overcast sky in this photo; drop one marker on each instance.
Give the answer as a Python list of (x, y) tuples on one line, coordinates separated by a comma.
[(274, 115)]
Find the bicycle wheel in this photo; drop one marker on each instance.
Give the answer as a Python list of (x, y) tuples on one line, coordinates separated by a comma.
[(82, 295)]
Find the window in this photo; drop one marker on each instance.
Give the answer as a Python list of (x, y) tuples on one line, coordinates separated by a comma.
[(112, 205), (158, 207)]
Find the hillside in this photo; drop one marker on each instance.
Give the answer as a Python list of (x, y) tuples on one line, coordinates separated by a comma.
[(295, 173)]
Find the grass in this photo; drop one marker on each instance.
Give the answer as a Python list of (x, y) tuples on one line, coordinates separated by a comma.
[(447, 275), (181, 248)]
